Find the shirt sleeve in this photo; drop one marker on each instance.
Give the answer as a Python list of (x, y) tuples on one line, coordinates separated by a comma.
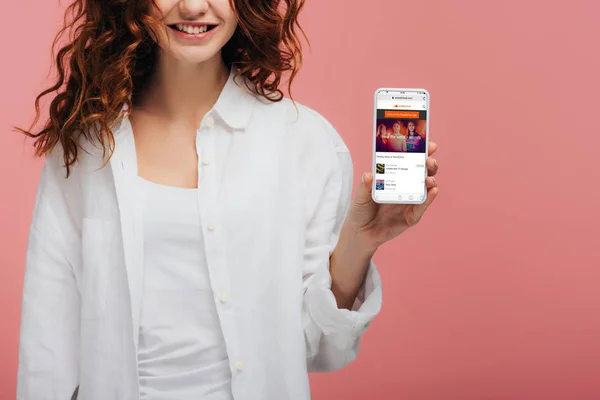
[(333, 335), (49, 336)]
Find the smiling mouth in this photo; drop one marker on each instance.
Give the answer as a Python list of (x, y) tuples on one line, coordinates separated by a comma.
[(192, 29)]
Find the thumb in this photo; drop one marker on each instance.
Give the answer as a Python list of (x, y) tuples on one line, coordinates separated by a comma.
[(363, 192)]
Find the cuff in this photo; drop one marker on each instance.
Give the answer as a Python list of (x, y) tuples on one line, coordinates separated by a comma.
[(323, 310)]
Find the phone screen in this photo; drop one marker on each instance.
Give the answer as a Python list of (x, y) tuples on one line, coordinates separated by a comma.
[(400, 145)]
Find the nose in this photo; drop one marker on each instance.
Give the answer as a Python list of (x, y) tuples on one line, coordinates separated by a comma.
[(191, 9)]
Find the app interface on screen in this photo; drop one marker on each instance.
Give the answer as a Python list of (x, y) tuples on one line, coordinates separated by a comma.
[(400, 145)]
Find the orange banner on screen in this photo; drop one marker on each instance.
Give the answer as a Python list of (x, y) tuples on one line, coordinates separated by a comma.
[(401, 114)]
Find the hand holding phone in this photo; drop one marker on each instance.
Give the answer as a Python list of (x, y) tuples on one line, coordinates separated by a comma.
[(400, 146)]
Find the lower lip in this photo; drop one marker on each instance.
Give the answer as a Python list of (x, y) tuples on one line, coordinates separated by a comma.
[(193, 37)]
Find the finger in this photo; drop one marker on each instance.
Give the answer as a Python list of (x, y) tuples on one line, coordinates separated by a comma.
[(363, 192), (432, 166), (431, 195), (430, 182), (432, 147)]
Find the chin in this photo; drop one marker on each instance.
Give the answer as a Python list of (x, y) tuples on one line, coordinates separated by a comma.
[(194, 56)]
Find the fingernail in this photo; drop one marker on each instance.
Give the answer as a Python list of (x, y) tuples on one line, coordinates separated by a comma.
[(362, 180), (434, 181), (435, 163)]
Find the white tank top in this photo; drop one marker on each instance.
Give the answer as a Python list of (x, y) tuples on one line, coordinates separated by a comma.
[(182, 352)]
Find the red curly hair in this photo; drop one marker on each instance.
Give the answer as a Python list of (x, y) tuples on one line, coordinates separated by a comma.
[(111, 53)]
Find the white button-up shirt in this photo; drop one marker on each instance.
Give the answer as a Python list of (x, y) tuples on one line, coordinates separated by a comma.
[(275, 183)]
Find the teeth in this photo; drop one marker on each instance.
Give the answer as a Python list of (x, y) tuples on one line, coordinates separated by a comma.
[(192, 30)]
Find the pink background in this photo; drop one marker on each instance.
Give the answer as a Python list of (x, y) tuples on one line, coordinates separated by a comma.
[(496, 294)]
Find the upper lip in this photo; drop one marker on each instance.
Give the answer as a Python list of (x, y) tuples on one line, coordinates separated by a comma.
[(193, 24)]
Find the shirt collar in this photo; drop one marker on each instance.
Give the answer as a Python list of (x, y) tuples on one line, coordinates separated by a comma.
[(236, 102)]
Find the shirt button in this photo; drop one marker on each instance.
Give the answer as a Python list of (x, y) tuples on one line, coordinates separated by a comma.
[(212, 226), (223, 297), (205, 161), (210, 122), (239, 366)]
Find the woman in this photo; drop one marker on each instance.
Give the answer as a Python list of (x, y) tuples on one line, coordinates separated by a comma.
[(381, 138), (193, 234), (414, 142)]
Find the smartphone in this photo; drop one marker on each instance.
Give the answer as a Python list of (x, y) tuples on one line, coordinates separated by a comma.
[(400, 141)]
